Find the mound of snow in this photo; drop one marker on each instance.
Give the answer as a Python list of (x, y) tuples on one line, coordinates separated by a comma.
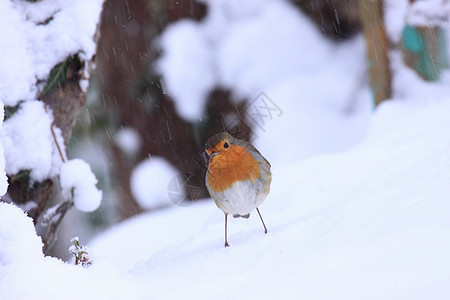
[(26, 274), (77, 180)]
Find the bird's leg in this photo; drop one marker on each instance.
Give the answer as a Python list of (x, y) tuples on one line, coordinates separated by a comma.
[(265, 228), (226, 242)]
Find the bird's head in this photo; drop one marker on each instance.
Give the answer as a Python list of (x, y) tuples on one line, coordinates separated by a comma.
[(218, 144)]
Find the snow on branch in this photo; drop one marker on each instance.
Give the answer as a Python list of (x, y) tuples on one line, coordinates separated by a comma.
[(429, 13), (38, 36), (79, 183), (28, 142)]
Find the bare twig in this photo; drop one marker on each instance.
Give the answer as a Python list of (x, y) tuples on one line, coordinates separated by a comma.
[(57, 144), (52, 219)]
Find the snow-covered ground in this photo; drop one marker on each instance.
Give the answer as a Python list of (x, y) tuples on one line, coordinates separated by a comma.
[(369, 223)]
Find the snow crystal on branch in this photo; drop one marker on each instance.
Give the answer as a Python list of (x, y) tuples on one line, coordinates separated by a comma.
[(78, 181)]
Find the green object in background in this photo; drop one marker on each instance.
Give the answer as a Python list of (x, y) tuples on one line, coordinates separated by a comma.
[(412, 40), (425, 50)]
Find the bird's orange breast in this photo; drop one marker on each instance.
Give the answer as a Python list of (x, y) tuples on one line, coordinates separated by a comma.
[(228, 167)]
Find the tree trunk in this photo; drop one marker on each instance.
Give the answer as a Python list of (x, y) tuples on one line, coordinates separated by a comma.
[(336, 19), (371, 12)]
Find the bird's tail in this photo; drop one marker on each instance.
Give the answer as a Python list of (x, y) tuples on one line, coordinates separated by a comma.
[(241, 216)]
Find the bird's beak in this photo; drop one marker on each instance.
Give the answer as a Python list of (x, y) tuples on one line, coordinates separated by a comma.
[(211, 153)]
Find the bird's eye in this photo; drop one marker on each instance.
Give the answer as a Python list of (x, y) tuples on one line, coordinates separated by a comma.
[(225, 145)]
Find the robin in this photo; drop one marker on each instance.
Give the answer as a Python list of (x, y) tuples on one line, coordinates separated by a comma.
[(238, 176)]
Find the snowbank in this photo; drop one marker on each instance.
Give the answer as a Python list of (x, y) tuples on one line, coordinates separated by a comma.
[(26, 274)]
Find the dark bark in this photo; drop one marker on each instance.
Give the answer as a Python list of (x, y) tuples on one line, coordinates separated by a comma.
[(337, 19), (66, 100)]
